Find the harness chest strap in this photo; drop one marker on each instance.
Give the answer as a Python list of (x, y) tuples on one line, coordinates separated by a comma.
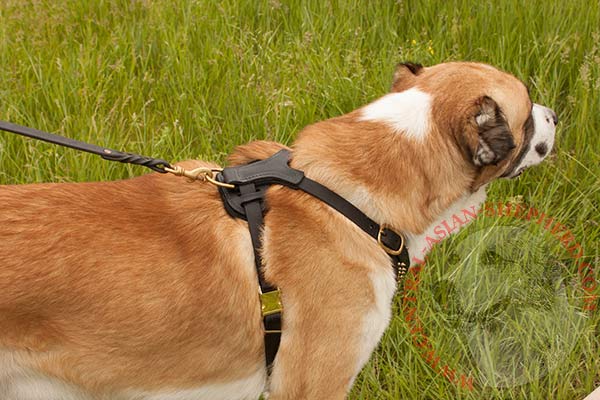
[(246, 201), (270, 301)]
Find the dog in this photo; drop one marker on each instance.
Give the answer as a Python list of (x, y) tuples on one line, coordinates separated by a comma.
[(146, 288)]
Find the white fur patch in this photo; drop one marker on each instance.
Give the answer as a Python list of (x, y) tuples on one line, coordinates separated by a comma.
[(18, 382), (378, 318), (407, 112), (249, 388)]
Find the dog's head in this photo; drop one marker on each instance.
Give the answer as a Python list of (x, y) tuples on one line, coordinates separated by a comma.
[(483, 112)]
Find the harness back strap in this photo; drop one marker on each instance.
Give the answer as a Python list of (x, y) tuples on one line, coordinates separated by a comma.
[(248, 203)]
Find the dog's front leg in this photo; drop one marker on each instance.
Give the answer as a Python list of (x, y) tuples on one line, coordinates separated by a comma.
[(316, 360), (336, 288), (328, 336)]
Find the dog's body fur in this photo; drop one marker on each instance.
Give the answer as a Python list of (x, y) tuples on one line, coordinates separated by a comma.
[(146, 288)]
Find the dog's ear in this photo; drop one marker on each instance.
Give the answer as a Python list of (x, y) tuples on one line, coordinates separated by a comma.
[(404, 76), (495, 139)]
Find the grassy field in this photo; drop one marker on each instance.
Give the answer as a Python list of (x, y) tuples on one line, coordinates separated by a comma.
[(192, 79)]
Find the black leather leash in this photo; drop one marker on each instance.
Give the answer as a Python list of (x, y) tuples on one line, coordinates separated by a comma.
[(246, 200), (243, 190), (154, 164)]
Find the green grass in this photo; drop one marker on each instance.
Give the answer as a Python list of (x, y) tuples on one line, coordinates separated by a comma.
[(192, 79)]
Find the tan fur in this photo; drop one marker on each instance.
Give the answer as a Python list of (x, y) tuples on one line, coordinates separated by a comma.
[(257, 150), (147, 283), (96, 276)]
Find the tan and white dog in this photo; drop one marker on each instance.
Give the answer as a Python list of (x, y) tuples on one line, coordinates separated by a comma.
[(146, 288)]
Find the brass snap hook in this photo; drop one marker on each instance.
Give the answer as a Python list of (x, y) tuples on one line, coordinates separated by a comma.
[(204, 174)]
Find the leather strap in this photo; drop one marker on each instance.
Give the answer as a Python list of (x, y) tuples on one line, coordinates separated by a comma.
[(255, 223), (389, 238), (252, 200), (272, 324), (154, 164), (276, 170)]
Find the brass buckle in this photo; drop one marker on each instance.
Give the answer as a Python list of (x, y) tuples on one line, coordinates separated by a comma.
[(270, 302), (383, 246)]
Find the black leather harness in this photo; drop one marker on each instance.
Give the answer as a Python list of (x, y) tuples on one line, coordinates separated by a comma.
[(247, 201)]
